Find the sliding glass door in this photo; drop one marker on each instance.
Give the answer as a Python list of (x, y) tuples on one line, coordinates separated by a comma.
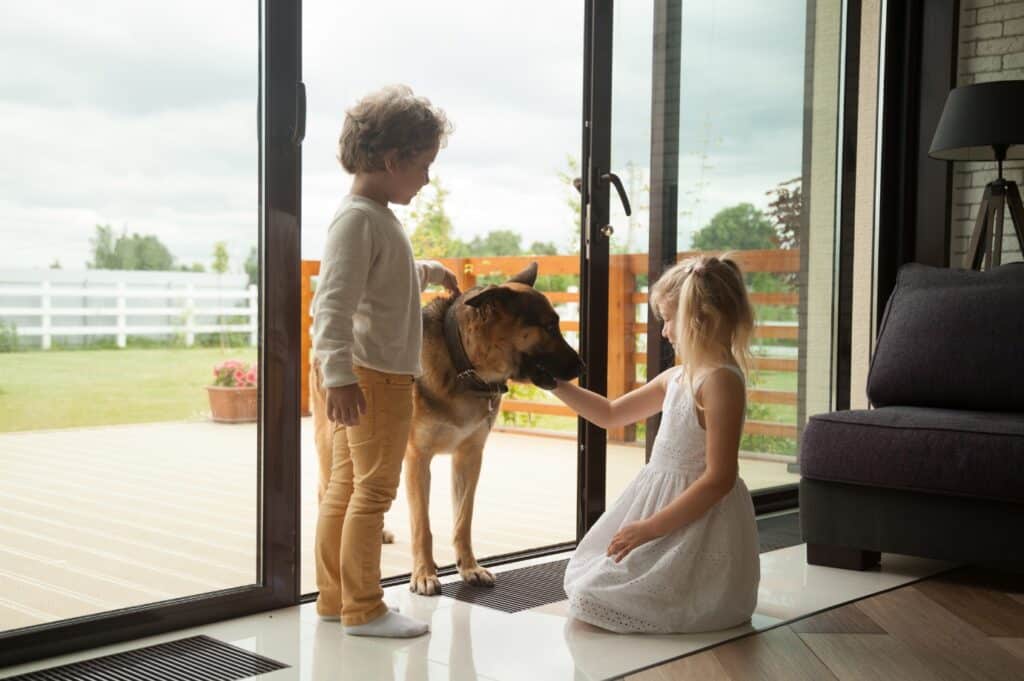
[(722, 123), (501, 196), (148, 331)]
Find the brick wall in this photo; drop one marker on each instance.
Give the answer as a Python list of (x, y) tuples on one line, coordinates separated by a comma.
[(991, 48)]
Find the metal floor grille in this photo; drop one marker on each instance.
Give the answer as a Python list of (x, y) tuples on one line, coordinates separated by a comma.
[(196, 658), (779, 531), (516, 590), (537, 585)]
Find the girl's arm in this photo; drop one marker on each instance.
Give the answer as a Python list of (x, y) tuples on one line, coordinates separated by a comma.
[(630, 408), (724, 403)]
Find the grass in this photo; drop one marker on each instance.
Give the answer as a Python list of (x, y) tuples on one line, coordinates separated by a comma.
[(766, 380), (77, 388), (66, 389)]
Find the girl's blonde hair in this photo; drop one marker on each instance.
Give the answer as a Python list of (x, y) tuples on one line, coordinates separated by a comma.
[(712, 311), (392, 118)]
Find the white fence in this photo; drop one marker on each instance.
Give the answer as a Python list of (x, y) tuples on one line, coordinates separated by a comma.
[(45, 304)]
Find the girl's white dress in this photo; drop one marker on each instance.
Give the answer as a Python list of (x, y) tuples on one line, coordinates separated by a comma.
[(701, 577)]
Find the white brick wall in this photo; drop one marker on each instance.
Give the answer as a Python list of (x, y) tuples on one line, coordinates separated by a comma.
[(991, 48)]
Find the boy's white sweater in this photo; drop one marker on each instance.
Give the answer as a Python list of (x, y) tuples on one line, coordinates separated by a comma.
[(366, 309)]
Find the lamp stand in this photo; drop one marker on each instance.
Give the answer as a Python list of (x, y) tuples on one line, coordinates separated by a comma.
[(987, 239)]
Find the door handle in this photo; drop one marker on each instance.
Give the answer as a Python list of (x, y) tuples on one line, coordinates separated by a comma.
[(298, 129), (614, 179), (619, 189)]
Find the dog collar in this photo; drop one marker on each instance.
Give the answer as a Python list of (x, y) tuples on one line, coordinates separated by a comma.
[(464, 371)]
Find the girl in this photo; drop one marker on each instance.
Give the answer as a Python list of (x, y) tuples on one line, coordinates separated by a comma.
[(678, 551)]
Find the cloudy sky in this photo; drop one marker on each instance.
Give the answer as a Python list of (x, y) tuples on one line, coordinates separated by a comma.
[(142, 115)]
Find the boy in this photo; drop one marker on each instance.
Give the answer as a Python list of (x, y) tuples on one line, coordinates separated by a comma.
[(367, 332)]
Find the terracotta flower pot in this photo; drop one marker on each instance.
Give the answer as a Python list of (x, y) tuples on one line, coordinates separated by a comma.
[(233, 405)]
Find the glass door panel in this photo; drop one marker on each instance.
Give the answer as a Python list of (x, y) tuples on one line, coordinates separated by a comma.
[(129, 306), (501, 196), (739, 103)]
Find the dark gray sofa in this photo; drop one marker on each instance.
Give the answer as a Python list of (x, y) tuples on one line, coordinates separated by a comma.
[(936, 469)]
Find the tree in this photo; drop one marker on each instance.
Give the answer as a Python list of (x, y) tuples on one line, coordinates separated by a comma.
[(135, 252), (785, 212), (252, 265), (568, 178), (497, 242), (220, 258), (543, 248), (432, 235), (739, 227), (55, 265), (742, 227), (103, 249)]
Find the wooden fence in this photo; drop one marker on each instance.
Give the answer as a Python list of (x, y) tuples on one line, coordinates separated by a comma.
[(624, 331)]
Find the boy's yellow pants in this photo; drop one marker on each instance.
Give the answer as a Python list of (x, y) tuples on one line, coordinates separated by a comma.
[(359, 477)]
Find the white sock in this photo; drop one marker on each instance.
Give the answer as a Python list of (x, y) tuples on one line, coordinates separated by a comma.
[(389, 625), (336, 618)]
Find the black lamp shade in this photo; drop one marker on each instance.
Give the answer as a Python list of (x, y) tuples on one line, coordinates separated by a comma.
[(978, 117)]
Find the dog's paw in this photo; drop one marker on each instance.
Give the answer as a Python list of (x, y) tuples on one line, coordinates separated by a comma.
[(387, 537), (425, 583), (477, 576)]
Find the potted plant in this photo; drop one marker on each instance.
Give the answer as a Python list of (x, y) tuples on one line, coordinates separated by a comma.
[(233, 395)]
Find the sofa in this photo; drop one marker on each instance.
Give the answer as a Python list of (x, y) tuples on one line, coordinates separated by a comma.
[(936, 467)]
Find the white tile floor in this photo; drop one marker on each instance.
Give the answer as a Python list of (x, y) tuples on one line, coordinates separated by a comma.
[(474, 642)]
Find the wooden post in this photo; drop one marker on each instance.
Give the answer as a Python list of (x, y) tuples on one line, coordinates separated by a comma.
[(466, 273), (190, 315), (122, 317), (45, 303), (621, 338)]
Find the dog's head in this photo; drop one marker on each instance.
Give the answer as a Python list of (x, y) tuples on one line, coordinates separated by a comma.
[(523, 328)]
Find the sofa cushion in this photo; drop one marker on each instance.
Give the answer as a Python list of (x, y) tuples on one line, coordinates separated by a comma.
[(952, 339), (942, 451)]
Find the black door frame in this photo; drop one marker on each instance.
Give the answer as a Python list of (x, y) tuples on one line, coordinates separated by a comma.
[(914, 190), (591, 466), (281, 114)]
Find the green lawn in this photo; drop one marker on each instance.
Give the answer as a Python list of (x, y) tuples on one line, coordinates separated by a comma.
[(64, 389), (71, 388)]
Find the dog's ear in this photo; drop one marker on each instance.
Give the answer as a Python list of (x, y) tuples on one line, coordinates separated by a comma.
[(487, 295), (527, 276)]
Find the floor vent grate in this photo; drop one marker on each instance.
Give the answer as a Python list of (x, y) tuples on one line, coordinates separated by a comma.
[(198, 657), (537, 585), (516, 590), (779, 531)]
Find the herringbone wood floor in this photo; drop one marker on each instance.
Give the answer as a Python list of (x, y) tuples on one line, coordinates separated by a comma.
[(964, 625)]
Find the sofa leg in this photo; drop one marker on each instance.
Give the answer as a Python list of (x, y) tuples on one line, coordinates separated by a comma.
[(842, 557)]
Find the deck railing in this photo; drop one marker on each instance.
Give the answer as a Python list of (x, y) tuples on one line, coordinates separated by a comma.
[(626, 333)]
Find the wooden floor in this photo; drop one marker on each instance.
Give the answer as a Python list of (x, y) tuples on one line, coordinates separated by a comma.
[(96, 519), (965, 625)]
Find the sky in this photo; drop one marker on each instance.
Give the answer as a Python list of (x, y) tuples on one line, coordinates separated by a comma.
[(142, 115)]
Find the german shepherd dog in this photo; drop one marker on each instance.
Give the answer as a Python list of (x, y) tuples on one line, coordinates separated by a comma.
[(472, 346)]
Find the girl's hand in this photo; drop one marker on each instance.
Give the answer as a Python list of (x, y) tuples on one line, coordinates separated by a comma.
[(629, 537), (451, 282)]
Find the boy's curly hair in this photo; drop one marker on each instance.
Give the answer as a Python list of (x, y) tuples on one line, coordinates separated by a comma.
[(392, 118)]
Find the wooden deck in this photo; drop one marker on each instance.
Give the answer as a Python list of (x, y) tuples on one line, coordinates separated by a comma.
[(97, 519)]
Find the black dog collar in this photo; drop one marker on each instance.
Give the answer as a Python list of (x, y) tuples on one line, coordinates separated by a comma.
[(466, 375)]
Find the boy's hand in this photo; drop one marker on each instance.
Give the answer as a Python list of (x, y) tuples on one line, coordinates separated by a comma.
[(630, 536), (345, 404), (451, 282)]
